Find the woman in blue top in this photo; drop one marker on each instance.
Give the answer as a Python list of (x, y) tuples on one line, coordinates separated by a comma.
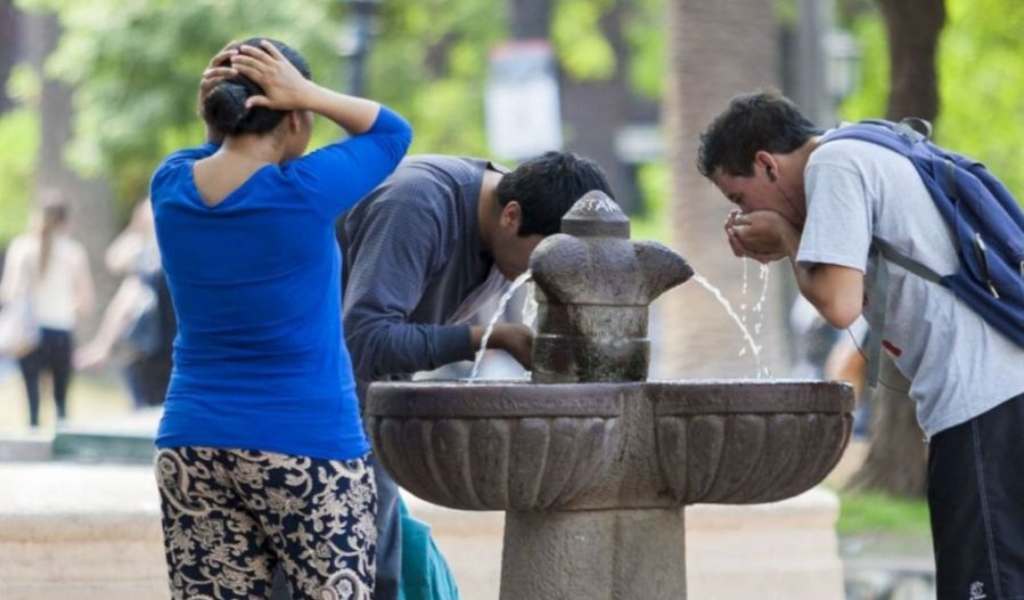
[(262, 454)]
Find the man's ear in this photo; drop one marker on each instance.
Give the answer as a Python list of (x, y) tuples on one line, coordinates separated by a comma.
[(511, 215), (767, 163)]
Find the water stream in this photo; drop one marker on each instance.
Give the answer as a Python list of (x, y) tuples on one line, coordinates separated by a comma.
[(494, 321), (759, 309), (754, 348), (530, 307), (743, 296), (530, 315)]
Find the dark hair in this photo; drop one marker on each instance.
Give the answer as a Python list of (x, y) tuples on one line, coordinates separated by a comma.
[(547, 186), (753, 122), (224, 108), (53, 208)]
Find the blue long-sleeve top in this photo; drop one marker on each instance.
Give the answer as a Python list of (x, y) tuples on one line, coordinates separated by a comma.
[(259, 359)]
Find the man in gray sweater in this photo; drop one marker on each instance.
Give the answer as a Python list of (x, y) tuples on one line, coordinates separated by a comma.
[(440, 234)]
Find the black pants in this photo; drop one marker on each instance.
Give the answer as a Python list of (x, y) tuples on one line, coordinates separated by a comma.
[(147, 379), (54, 355), (976, 500)]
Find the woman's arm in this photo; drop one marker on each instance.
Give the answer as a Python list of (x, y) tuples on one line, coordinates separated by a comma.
[(85, 294), (13, 271), (286, 89), (338, 175)]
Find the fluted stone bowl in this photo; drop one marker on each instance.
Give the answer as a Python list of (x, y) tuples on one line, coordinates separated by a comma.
[(521, 446), (493, 446), (746, 442)]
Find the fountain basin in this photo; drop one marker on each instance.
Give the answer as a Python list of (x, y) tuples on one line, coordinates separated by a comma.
[(519, 446), (494, 446)]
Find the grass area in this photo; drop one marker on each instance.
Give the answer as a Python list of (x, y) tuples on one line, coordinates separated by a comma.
[(862, 513)]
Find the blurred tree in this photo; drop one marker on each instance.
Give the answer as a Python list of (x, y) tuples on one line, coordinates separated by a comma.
[(134, 67), (19, 128), (88, 197), (897, 458), (8, 49), (430, 62), (975, 102), (715, 50), (981, 78), (980, 67)]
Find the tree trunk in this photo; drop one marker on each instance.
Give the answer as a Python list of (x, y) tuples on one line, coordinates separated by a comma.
[(529, 19), (914, 27), (8, 49), (715, 51), (897, 459), (595, 113)]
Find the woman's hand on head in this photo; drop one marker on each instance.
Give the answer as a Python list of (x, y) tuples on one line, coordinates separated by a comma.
[(284, 87), (218, 69)]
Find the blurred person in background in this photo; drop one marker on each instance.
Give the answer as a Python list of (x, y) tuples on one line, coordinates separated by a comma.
[(138, 326), (49, 270)]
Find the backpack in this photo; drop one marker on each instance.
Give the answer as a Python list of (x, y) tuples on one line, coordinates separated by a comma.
[(986, 222)]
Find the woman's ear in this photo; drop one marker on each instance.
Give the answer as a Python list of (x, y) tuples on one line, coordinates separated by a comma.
[(295, 122)]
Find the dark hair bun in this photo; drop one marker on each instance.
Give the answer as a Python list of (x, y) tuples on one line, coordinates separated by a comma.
[(224, 107)]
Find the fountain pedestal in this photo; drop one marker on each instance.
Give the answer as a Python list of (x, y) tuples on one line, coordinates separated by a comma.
[(599, 555), (592, 463)]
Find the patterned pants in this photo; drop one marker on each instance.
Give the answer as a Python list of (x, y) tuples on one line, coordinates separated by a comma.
[(229, 516)]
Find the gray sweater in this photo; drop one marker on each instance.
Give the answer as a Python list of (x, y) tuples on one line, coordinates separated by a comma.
[(412, 254)]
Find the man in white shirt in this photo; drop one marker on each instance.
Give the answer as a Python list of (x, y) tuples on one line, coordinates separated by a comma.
[(822, 206)]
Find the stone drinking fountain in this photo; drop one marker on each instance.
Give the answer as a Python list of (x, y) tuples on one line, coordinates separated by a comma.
[(592, 463)]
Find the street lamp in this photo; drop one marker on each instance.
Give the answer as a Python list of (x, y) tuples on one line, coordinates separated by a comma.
[(355, 40), (842, 63)]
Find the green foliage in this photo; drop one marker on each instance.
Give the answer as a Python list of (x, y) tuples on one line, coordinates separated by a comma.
[(981, 76), (583, 49), (135, 66), (787, 12), (653, 223), (19, 129), (870, 512), (645, 33), (872, 93), (430, 63)]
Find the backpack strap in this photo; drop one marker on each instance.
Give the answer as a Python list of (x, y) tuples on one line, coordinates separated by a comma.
[(891, 254), (876, 320), (880, 290)]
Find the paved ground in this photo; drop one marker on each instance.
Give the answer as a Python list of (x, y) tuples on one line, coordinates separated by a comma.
[(876, 564)]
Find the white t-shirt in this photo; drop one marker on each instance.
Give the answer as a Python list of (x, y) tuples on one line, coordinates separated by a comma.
[(958, 365), (52, 294)]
